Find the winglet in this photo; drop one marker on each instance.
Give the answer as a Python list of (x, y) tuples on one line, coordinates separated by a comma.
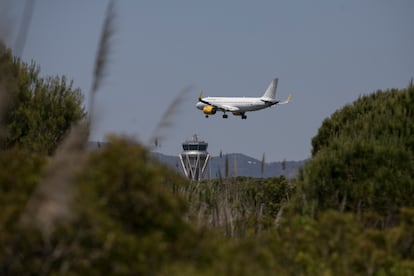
[(201, 95), (287, 100)]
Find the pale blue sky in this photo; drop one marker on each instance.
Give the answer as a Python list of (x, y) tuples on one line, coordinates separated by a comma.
[(325, 53)]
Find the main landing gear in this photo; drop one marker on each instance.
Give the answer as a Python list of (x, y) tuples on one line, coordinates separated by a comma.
[(225, 116), (242, 115)]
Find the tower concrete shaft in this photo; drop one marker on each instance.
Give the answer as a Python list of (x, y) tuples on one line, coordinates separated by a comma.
[(194, 158)]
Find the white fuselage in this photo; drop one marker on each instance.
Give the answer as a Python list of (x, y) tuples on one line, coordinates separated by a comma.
[(239, 105), (243, 104)]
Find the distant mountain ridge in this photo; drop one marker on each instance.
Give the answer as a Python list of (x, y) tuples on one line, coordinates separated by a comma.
[(238, 165)]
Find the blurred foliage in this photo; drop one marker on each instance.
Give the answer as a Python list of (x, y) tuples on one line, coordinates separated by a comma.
[(129, 218), (238, 206), (39, 111), (363, 158)]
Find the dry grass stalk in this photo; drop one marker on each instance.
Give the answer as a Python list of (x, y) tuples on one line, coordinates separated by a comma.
[(24, 27), (201, 215), (262, 164), (51, 202), (166, 120), (259, 219), (4, 102), (5, 22), (102, 56), (104, 47), (279, 216), (343, 203), (235, 166), (3, 90), (226, 166), (228, 219), (52, 199)]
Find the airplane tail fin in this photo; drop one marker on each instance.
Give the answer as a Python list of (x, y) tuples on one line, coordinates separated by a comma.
[(270, 93)]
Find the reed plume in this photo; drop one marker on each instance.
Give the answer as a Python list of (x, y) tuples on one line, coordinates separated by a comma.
[(262, 164), (24, 27), (235, 166), (166, 120), (102, 55), (51, 201), (4, 104), (279, 216), (5, 24), (226, 166)]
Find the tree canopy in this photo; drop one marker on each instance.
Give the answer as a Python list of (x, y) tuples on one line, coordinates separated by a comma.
[(37, 112), (363, 156)]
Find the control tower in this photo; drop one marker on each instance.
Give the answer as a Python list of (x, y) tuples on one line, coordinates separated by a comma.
[(194, 158)]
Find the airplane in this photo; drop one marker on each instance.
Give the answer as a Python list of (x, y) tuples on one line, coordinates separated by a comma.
[(238, 106)]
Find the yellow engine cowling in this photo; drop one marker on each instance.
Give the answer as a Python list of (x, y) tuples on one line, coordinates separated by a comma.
[(209, 110)]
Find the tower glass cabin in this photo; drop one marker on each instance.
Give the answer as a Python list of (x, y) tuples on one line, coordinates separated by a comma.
[(194, 158)]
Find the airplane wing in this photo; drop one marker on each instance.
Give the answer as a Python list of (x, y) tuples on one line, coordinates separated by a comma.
[(218, 106), (222, 107), (227, 108), (200, 98)]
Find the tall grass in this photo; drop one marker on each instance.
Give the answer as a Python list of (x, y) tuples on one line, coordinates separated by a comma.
[(51, 201), (102, 56), (238, 206), (4, 102)]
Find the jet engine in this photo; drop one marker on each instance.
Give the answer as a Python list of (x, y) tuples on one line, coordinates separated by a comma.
[(209, 110)]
